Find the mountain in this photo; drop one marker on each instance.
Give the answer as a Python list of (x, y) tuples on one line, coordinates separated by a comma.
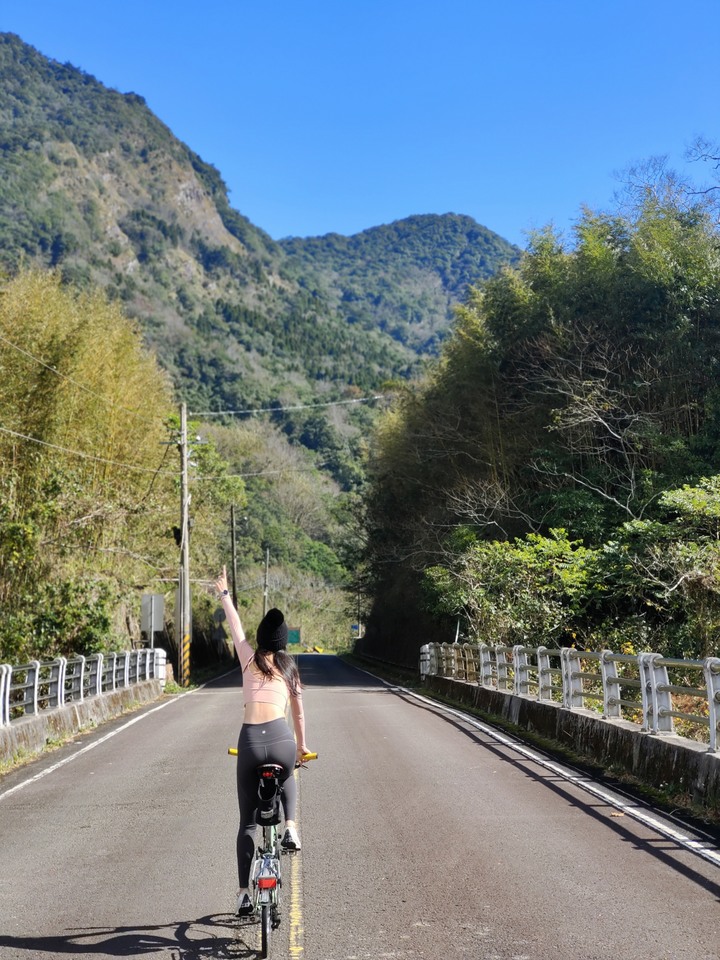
[(403, 278), (94, 184)]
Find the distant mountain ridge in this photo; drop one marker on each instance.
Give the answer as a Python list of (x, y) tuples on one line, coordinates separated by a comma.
[(404, 277), (94, 184)]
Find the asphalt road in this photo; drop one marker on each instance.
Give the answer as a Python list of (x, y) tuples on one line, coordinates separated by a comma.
[(422, 838)]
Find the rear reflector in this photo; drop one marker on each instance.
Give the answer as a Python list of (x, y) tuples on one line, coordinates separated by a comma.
[(267, 883)]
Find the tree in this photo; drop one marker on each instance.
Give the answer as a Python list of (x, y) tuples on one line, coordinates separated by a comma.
[(574, 392)]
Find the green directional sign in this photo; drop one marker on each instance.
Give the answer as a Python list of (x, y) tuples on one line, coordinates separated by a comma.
[(293, 634)]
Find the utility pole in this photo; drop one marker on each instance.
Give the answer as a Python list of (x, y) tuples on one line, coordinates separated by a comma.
[(265, 588), (234, 557), (184, 627)]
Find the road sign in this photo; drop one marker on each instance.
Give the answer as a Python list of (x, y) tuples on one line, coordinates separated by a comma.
[(293, 635)]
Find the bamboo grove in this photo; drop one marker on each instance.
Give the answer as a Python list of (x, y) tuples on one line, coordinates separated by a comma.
[(555, 478), (88, 473)]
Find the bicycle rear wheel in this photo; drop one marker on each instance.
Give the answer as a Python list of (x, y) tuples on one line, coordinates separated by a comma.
[(265, 926)]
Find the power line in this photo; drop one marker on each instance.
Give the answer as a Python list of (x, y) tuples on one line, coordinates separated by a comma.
[(261, 473), (87, 456), (76, 383), (300, 406)]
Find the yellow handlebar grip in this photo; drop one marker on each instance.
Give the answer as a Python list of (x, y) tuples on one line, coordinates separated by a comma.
[(306, 756)]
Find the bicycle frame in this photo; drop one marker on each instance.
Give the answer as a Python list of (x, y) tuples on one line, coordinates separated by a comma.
[(266, 874)]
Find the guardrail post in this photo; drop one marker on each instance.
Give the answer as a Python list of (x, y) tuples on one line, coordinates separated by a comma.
[(711, 668), (434, 660), (656, 700), (160, 665), (571, 683), (520, 670), (486, 672), (460, 661), (99, 674), (424, 660), (56, 687), (442, 672), (501, 665), (543, 662), (468, 660), (5, 671), (611, 691), (33, 671), (94, 678)]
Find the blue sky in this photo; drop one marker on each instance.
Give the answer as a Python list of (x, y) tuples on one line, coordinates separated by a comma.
[(338, 115)]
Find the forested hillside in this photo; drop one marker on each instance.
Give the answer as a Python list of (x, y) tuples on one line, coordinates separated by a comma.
[(89, 491), (132, 244), (404, 278), (555, 479), (92, 183)]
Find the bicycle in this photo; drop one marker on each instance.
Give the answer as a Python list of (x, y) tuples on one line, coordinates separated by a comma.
[(266, 875)]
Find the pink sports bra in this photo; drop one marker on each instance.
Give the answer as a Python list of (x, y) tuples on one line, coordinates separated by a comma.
[(257, 688)]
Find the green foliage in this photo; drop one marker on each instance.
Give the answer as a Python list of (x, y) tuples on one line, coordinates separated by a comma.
[(526, 591), (403, 278), (578, 391), (88, 492), (93, 183)]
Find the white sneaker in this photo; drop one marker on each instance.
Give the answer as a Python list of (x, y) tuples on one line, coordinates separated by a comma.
[(244, 905), (291, 839)]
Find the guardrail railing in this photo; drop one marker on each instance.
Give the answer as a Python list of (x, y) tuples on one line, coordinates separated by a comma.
[(647, 689), (31, 688)]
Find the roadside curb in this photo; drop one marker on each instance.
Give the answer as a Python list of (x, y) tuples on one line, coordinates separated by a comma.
[(29, 736)]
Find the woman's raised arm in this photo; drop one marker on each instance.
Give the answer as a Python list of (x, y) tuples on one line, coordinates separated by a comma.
[(233, 619)]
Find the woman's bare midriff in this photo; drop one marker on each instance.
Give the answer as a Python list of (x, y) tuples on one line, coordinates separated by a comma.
[(262, 712)]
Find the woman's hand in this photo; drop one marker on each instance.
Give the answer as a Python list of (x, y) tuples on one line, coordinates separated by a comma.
[(221, 584), (301, 751)]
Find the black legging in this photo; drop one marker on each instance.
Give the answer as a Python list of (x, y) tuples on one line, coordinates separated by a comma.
[(258, 743)]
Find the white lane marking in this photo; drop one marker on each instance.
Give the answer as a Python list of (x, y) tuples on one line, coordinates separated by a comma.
[(709, 853), (90, 746)]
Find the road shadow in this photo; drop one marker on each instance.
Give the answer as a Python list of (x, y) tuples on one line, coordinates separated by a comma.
[(664, 849), (215, 937), (327, 670), (233, 678), (316, 670)]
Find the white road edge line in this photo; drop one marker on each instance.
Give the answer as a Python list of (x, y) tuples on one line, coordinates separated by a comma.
[(711, 854), (96, 743)]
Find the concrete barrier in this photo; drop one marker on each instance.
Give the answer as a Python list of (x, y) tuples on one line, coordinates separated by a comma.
[(30, 735), (659, 760)]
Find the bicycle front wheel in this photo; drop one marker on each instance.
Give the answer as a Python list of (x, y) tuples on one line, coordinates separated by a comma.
[(266, 924)]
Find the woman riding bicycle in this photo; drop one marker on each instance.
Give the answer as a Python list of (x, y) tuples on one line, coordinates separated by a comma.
[(270, 681)]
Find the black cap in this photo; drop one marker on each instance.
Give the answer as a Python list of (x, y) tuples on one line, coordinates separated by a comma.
[(272, 634)]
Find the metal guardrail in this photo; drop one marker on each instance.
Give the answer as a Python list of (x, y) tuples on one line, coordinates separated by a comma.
[(31, 688), (636, 688)]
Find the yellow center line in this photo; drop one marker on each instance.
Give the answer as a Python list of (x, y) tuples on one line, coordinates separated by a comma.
[(296, 914)]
